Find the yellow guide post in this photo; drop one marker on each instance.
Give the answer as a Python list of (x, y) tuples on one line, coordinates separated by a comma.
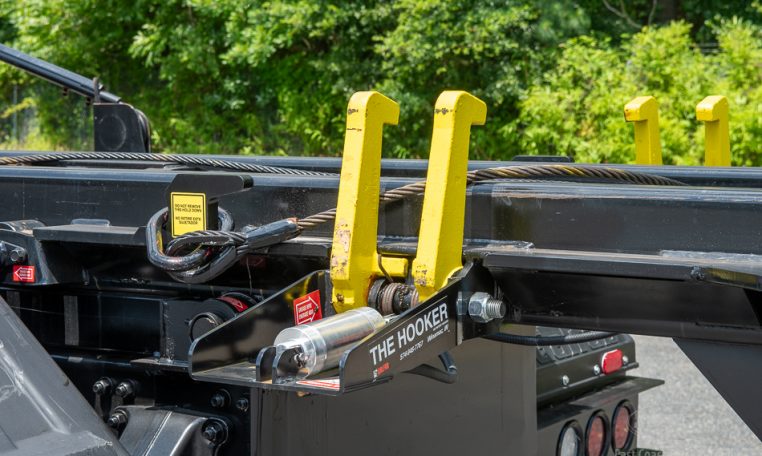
[(644, 113), (713, 111), (440, 241), (354, 256)]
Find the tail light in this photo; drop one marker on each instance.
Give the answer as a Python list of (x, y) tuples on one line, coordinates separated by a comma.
[(570, 440), (595, 435), (622, 426)]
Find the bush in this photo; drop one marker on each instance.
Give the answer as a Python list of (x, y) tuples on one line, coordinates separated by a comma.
[(258, 76), (576, 109)]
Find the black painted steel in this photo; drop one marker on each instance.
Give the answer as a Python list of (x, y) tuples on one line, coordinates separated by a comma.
[(688, 247), (55, 74), (582, 254)]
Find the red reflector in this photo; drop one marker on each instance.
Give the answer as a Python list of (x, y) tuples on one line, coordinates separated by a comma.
[(237, 304), (622, 425), (596, 436), (611, 361), (24, 274)]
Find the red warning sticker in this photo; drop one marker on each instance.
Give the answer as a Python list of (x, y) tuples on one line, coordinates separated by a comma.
[(23, 274), (307, 308), (237, 304), (326, 383)]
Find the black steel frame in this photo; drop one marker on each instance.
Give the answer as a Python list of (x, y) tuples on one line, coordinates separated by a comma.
[(680, 262)]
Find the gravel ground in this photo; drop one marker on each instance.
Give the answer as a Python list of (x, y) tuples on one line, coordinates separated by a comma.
[(686, 416)]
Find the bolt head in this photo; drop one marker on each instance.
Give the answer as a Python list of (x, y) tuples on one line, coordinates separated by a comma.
[(124, 389), (565, 380), (625, 360), (215, 432), (101, 387), (218, 400), (242, 405), (17, 255), (597, 369), (210, 433), (477, 307), (117, 419)]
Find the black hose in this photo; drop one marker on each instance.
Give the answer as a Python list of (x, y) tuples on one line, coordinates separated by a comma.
[(448, 375), (543, 341)]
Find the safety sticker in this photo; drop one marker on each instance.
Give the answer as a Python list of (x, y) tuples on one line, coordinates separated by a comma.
[(326, 383), (188, 212), (24, 274), (307, 308)]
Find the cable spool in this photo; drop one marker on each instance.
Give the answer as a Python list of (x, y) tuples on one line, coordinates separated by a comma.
[(392, 298)]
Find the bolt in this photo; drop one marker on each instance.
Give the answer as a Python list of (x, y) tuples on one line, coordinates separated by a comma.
[(565, 380), (301, 359), (625, 360), (219, 399), (242, 405), (17, 255), (597, 369), (125, 389), (102, 386), (484, 308), (117, 419), (215, 432)]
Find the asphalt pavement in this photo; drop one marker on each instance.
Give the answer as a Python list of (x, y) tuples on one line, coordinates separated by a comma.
[(686, 416)]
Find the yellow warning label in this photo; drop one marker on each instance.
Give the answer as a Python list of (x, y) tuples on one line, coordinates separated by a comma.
[(188, 212)]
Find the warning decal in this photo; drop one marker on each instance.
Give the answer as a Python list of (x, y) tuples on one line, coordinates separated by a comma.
[(307, 308), (188, 212), (24, 274), (326, 383)]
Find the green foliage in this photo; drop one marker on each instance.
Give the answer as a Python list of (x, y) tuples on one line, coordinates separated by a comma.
[(258, 76), (576, 109)]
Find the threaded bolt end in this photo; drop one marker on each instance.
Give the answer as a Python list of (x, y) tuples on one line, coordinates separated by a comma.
[(495, 308)]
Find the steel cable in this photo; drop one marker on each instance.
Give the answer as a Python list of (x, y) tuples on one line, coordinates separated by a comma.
[(194, 266), (510, 172), (195, 160)]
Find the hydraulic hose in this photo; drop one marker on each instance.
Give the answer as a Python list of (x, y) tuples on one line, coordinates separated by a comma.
[(448, 375)]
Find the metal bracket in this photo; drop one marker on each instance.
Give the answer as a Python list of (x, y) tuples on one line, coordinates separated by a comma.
[(354, 255), (643, 112), (238, 352), (713, 111), (440, 251)]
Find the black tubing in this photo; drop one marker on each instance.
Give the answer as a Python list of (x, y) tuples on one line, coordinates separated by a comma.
[(448, 375)]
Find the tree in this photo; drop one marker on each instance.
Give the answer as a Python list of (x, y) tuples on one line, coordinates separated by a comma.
[(257, 76)]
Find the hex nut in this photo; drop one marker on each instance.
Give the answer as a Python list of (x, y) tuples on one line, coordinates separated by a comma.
[(482, 307)]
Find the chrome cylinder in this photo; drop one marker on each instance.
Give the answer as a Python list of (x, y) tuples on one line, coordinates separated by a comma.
[(323, 342)]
